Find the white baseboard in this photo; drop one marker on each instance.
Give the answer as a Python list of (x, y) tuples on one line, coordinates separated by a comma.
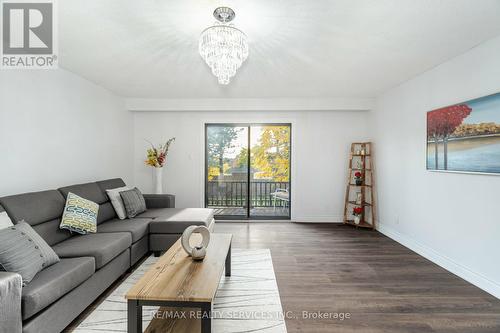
[(318, 219), (300, 219), (465, 273)]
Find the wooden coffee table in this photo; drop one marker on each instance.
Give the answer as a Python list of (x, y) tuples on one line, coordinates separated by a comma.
[(179, 282)]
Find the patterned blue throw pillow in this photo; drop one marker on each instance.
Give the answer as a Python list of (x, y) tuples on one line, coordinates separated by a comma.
[(80, 215)]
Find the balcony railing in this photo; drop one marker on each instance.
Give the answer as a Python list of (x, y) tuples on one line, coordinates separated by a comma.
[(233, 193)]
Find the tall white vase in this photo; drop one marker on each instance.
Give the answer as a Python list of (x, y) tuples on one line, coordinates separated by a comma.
[(158, 180)]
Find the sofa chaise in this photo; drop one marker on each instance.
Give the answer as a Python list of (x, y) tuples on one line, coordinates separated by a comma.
[(89, 263)]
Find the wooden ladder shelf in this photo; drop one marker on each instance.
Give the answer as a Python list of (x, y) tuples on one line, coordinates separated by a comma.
[(359, 191)]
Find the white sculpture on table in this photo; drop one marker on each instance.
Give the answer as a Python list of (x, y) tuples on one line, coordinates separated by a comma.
[(199, 251)]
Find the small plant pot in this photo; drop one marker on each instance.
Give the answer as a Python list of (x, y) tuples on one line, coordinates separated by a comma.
[(359, 182), (357, 219)]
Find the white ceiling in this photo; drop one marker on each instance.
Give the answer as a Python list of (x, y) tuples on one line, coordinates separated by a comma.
[(298, 48)]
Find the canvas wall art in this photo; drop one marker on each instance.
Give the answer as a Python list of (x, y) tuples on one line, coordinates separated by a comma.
[(465, 137)]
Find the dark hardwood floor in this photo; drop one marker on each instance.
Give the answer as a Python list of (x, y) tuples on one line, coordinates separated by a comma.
[(384, 286), (380, 284)]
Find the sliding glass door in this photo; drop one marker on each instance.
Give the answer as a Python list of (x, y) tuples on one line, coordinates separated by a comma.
[(247, 173), (270, 171), (226, 187)]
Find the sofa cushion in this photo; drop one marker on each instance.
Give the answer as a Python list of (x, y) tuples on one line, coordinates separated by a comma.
[(106, 213), (89, 191), (35, 207), (153, 213), (51, 232), (102, 246), (55, 281), (42, 210), (80, 215), (110, 184), (138, 228), (109, 210), (176, 220), (159, 200), (92, 191)]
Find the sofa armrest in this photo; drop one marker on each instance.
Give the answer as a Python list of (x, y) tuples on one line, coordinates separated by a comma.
[(10, 302), (159, 200)]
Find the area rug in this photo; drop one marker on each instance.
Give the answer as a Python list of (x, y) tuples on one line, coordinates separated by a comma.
[(247, 301)]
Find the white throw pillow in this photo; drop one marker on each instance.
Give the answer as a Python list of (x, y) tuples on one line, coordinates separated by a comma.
[(117, 201), (5, 221)]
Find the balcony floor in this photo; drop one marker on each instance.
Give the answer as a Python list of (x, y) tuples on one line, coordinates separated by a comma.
[(255, 211)]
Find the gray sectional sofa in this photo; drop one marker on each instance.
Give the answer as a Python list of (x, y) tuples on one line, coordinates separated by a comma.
[(89, 263)]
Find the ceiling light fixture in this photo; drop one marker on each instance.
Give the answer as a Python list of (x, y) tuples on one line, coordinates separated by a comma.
[(223, 47)]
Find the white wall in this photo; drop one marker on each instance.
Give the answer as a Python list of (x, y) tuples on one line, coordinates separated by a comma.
[(320, 144), (58, 129), (450, 218)]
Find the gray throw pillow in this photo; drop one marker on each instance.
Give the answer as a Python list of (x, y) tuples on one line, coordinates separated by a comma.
[(23, 251), (134, 202)]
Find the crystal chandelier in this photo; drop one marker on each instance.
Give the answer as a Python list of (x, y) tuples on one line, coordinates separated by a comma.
[(223, 47)]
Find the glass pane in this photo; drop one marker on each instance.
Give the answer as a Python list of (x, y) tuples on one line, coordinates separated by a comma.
[(270, 171), (227, 170)]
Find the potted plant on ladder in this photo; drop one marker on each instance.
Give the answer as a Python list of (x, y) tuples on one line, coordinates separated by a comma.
[(358, 178), (357, 212)]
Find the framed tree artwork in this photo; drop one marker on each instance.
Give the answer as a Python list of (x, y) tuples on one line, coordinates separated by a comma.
[(465, 137)]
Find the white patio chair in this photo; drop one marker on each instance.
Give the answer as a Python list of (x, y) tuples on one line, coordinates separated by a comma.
[(280, 194)]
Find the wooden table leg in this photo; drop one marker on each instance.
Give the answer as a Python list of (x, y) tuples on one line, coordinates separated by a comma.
[(134, 314), (228, 261)]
